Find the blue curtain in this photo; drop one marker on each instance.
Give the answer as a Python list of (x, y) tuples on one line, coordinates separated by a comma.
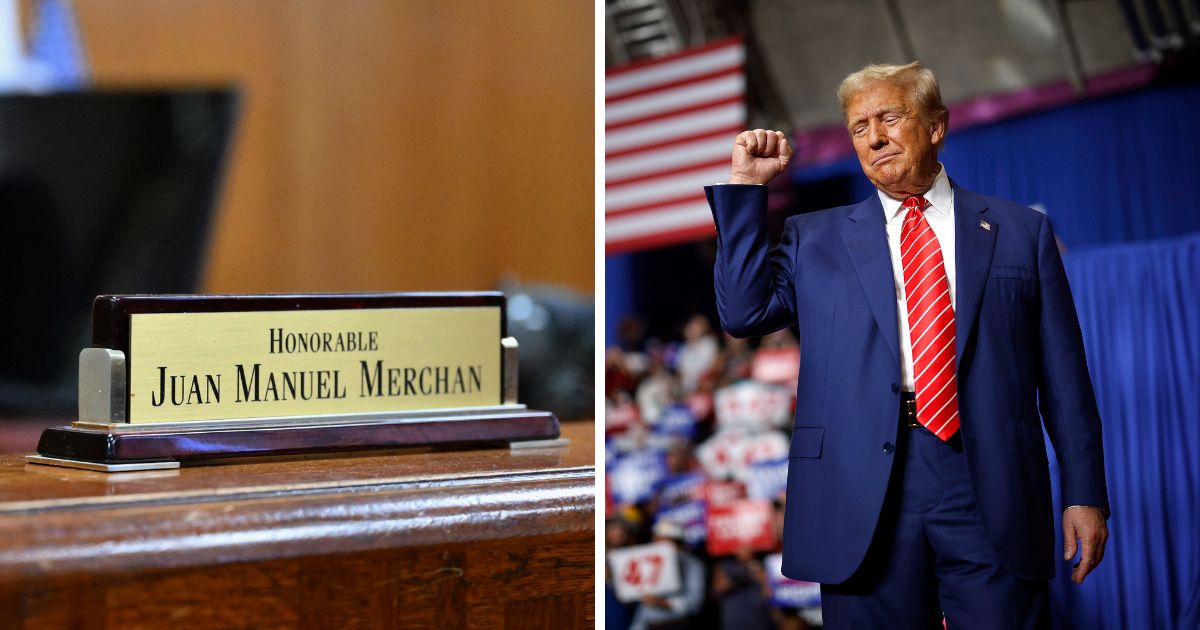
[(1122, 168), (1139, 308)]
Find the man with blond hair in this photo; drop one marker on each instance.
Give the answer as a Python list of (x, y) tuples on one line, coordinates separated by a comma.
[(935, 324)]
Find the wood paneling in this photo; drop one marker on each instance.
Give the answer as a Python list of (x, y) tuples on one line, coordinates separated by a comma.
[(487, 538), (449, 586), (384, 144)]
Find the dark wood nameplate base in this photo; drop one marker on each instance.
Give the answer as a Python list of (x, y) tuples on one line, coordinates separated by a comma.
[(172, 444)]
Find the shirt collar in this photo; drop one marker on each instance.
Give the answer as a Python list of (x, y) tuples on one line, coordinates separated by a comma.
[(940, 197)]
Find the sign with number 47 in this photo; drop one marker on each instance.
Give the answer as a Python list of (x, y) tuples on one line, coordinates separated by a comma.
[(644, 570)]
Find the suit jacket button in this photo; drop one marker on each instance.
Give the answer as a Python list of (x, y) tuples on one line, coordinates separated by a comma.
[(895, 388), (888, 448)]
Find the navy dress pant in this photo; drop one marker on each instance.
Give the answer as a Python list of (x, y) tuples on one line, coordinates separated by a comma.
[(931, 556)]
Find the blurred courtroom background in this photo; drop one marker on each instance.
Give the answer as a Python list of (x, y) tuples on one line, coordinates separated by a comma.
[(1081, 109), (382, 145), (375, 145)]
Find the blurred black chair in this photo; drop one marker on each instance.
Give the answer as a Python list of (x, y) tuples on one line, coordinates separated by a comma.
[(100, 192)]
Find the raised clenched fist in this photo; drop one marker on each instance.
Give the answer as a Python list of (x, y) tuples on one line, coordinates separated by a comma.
[(758, 156)]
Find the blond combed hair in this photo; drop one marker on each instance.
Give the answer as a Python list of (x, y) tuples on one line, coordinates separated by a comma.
[(917, 80)]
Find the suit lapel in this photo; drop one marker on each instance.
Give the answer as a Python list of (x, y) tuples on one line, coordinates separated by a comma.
[(973, 246), (865, 236)]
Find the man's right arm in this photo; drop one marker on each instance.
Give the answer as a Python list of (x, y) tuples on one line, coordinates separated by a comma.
[(753, 283)]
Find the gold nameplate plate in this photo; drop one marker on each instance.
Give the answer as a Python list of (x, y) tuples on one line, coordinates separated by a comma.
[(208, 366), (176, 378)]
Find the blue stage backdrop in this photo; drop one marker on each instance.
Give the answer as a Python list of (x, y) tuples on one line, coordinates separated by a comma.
[(1118, 169), (1139, 308)]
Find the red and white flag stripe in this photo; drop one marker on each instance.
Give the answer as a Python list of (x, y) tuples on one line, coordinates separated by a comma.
[(669, 127)]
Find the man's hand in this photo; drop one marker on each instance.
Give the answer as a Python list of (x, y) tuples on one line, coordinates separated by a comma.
[(1087, 525), (758, 156)]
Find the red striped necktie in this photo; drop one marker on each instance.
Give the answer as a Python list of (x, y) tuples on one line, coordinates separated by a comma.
[(930, 322)]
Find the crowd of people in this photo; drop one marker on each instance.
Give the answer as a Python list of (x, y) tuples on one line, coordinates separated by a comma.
[(696, 447)]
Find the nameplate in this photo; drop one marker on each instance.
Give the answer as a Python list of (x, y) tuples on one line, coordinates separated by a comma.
[(174, 379), (194, 358)]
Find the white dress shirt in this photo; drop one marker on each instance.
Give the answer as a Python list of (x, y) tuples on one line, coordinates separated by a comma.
[(940, 215)]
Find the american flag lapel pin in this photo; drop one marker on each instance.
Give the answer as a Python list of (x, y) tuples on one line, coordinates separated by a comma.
[(985, 225)]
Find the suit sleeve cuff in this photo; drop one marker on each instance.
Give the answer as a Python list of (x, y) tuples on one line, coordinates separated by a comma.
[(1102, 510)]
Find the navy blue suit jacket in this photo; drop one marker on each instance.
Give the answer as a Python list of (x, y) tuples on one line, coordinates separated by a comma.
[(1018, 349)]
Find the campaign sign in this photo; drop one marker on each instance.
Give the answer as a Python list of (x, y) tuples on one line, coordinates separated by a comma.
[(633, 477), (767, 479), (780, 366), (742, 524), (681, 488), (691, 517), (729, 453), (644, 570), (760, 447), (676, 420), (753, 405), (723, 492), (788, 592), (620, 417), (638, 439), (717, 454)]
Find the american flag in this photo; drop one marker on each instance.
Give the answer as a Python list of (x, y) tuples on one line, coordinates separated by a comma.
[(669, 125)]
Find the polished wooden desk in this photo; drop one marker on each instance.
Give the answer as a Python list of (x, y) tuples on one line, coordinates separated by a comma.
[(469, 538)]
